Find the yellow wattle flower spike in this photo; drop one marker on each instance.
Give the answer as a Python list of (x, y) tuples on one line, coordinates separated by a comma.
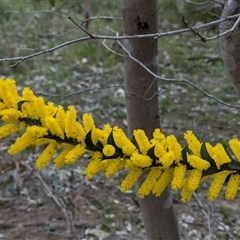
[(53, 126), (130, 179), (8, 129), (70, 119), (159, 137), (10, 115), (174, 146), (88, 122), (178, 176), (96, 165), (197, 162), (9, 93), (232, 187), (75, 153), (123, 142), (221, 156), (186, 193), (193, 179), (217, 184), (59, 161), (167, 159), (32, 106), (142, 141), (159, 150), (60, 117), (193, 143), (27, 139), (235, 146), (46, 155), (148, 184), (140, 160), (115, 165), (162, 182)]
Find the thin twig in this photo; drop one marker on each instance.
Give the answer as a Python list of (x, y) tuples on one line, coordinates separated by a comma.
[(205, 211), (100, 18), (84, 30), (78, 92)]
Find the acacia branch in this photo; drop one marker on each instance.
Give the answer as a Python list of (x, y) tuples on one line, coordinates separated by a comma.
[(117, 38)]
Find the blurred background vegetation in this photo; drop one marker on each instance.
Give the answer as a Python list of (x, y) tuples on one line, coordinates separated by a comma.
[(88, 67)]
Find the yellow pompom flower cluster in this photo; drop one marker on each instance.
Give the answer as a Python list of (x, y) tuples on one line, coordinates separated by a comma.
[(162, 158)]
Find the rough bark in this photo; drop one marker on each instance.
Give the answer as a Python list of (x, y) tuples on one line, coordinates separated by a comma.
[(140, 17), (230, 43)]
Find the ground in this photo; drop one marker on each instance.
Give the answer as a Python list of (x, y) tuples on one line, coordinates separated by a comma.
[(62, 203)]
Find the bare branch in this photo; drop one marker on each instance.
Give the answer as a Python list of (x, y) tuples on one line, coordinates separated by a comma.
[(175, 80), (155, 35)]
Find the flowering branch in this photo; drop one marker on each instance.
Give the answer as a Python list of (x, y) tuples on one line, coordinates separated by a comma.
[(111, 150)]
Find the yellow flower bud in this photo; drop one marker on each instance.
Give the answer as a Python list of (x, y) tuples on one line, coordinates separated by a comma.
[(108, 150)]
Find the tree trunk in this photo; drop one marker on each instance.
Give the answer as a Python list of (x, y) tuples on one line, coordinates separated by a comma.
[(140, 17), (230, 43)]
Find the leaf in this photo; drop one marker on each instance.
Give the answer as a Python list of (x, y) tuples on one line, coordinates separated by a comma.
[(210, 171), (234, 165), (31, 121), (205, 155), (133, 140), (90, 144), (184, 152), (111, 141), (151, 154), (99, 145), (19, 104)]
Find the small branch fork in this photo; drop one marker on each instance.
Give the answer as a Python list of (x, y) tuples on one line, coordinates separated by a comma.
[(20, 59)]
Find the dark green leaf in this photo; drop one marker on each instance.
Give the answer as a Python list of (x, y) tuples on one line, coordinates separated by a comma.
[(111, 141), (52, 2), (209, 171), (99, 145), (90, 144), (185, 150), (133, 140), (234, 165), (205, 155), (151, 154), (226, 150), (31, 121), (19, 104)]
